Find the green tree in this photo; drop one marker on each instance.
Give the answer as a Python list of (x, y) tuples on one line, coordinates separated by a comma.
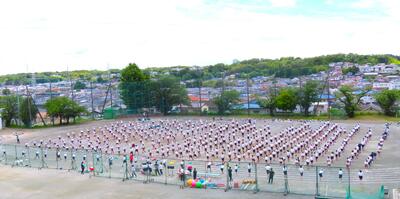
[(9, 107), (79, 85), (63, 108), (226, 101), (135, 87), (100, 80), (6, 91), (353, 70), (28, 111), (286, 100), (307, 95), (132, 73), (387, 100), (168, 92), (346, 95), (268, 102)]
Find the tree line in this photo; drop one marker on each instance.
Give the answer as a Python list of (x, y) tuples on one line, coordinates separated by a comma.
[(16, 109), (286, 67), (288, 99)]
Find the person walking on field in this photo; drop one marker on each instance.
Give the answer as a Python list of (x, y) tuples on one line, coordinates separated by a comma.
[(133, 171), (271, 176), (82, 167), (249, 168), (194, 174), (360, 175), (301, 171), (236, 168), (230, 174), (340, 174)]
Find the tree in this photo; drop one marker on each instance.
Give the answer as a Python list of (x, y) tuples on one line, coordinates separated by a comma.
[(387, 100), (132, 73), (269, 102), (168, 92), (286, 100), (10, 108), (350, 99), (79, 85), (63, 108), (307, 95), (135, 87), (6, 91), (353, 70), (28, 111), (73, 110), (100, 80), (226, 101)]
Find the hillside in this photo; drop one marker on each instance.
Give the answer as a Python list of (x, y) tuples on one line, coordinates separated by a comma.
[(284, 67)]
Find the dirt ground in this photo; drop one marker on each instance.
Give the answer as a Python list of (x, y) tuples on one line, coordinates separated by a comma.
[(34, 183), (31, 183), (388, 159)]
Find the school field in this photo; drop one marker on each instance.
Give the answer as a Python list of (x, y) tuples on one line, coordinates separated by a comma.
[(16, 183), (19, 182)]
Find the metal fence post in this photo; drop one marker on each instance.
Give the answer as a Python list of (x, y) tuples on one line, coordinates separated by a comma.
[(256, 177), (110, 159), (349, 182), (94, 168), (165, 167), (57, 157), (126, 174), (16, 155), (5, 155), (227, 176), (41, 157), (316, 182), (29, 156), (184, 175)]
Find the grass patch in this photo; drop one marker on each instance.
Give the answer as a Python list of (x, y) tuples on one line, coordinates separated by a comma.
[(40, 125)]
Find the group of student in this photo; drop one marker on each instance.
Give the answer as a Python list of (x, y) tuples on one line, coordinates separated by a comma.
[(214, 141)]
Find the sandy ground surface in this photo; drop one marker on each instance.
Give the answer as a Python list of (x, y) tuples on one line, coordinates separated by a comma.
[(45, 184), (388, 159), (34, 183)]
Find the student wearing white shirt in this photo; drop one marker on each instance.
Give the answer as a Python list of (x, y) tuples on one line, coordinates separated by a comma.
[(340, 174), (301, 170), (236, 168), (267, 169), (360, 175), (249, 168), (321, 173)]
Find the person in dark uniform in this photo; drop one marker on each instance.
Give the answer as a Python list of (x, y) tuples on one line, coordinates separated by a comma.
[(271, 176), (230, 174), (194, 174)]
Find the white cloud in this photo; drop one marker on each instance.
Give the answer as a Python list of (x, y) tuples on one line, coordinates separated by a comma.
[(329, 2), (283, 3), (48, 35), (364, 3)]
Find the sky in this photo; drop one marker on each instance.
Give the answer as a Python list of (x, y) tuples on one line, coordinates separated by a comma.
[(48, 35)]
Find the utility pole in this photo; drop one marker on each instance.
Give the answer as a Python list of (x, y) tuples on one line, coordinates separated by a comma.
[(72, 88), (200, 85), (329, 95), (200, 96), (301, 92), (27, 99), (91, 97), (248, 94), (51, 97), (223, 82), (33, 101), (18, 105)]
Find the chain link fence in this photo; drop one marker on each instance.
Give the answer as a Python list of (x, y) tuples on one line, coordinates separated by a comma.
[(318, 181)]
